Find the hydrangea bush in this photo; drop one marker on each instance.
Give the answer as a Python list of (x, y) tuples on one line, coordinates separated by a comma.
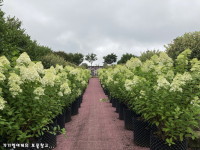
[(164, 92), (31, 96)]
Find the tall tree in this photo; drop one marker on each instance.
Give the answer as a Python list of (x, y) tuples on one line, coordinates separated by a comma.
[(91, 58), (189, 40), (77, 58), (125, 58), (110, 58)]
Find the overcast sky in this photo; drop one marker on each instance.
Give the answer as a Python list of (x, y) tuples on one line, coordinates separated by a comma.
[(105, 26)]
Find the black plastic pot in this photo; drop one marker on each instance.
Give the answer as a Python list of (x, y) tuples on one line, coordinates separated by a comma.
[(141, 135), (75, 106), (113, 102), (117, 106), (49, 138), (121, 111), (68, 114), (61, 119), (159, 144), (128, 118)]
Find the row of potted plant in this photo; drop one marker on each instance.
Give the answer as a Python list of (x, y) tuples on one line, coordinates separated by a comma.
[(163, 92), (31, 97)]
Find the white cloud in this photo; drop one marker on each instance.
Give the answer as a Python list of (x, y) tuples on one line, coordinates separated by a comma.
[(103, 27)]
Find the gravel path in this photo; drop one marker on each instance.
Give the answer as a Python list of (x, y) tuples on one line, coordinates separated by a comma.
[(97, 126)]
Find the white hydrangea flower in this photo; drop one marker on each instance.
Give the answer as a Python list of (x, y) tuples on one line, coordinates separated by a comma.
[(180, 80), (162, 83), (155, 59), (39, 91), (39, 67), (14, 79), (23, 59), (84, 83), (2, 103), (14, 82), (75, 71), (133, 63), (2, 77), (29, 74), (60, 94), (195, 65), (165, 60), (169, 75), (195, 101), (147, 66), (128, 85), (59, 68), (15, 89), (65, 88), (4, 61), (68, 68), (49, 79)]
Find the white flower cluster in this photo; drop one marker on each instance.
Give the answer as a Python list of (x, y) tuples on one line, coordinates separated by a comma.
[(2, 77), (59, 68), (48, 79), (14, 82), (65, 88), (39, 91), (75, 71), (180, 80), (4, 61), (162, 83), (129, 84), (23, 59), (2, 103), (29, 74), (165, 60), (195, 65), (133, 63), (39, 67), (147, 66), (196, 101)]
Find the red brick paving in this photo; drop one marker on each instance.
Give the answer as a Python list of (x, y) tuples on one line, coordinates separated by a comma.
[(97, 126)]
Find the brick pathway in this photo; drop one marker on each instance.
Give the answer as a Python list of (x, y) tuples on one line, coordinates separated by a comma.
[(97, 126)]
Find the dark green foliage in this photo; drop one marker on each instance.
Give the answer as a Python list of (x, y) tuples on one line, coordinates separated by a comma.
[(84, 65), (91, 58), (52, 59), (76, 58), (148, 54), (125, 58), (110, 58), (189, 40)]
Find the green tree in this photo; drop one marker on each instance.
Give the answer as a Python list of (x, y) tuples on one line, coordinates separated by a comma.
[(125, 58), (91, 58), (110, 58), (189, 40), (148, 54), (76, 58)]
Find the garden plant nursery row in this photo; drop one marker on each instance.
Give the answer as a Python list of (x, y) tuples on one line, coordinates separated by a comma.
[(35, 103), (159, 99)]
